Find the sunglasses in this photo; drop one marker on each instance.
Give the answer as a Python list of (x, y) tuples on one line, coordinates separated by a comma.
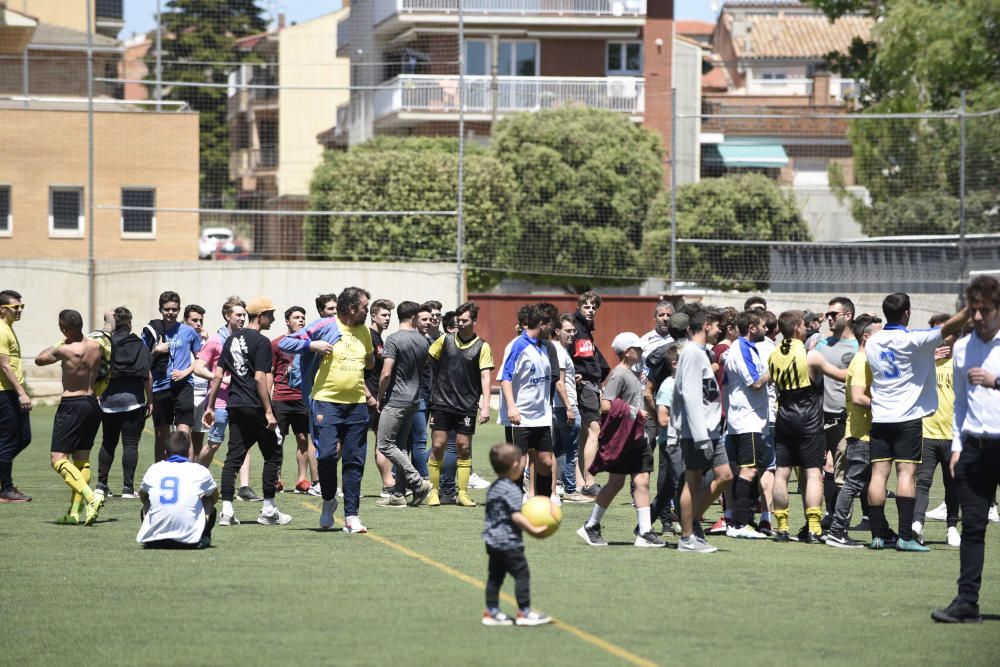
[(14, 306), (435, 316), (833, 314)]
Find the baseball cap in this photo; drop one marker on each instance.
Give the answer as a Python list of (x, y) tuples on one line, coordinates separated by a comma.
[(809, 316), (624, 341), (679, 321), (259, 304)]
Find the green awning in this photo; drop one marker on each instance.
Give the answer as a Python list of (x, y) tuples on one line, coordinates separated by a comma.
[(753, 155)]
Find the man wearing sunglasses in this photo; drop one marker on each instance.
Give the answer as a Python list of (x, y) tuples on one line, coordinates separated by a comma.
[(15, 406)]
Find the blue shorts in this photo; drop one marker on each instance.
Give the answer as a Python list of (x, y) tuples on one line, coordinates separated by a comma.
[(343, 422), (218, 431)]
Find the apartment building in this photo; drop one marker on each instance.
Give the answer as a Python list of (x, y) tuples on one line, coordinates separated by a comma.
[(107, 16), (520, 56), (143, 160), (274, 149), (767, 73)]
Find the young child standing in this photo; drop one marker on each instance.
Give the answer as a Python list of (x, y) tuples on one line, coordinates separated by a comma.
[(502, 534)]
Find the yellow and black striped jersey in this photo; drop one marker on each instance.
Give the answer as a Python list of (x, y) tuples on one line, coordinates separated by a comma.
[(800, 396)]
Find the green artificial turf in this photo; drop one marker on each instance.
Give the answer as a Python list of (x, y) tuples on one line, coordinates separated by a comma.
[(291, 594)]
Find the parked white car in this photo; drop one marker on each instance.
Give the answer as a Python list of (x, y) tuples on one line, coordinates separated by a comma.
[(211, 237)]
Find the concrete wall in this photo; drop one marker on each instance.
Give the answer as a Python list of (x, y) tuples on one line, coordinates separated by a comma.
[(70, 14), (306, 58), (49, 286), (131, 149)]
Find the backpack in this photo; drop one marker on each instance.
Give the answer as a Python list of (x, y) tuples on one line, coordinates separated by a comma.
[(155, 331)]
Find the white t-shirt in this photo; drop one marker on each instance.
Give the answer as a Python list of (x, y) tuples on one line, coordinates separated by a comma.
[(175, 488), (904, 386), (747, 407), (526, 367), (566, 364), (765, 348)]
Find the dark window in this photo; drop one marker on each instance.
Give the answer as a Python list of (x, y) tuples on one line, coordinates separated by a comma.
[(4, 208), (110, 9), (66, 204), (138, 221)]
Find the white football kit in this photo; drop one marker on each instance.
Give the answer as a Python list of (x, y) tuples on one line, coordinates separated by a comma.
[(175, 488), (904, 386)]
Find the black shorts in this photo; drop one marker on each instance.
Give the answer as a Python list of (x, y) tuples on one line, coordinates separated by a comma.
[(635, 460), (452, 421), (588, 400), (903, 442), (174, 406), (750, 450), (834, 429), (291, 416), (797, 449), (538, 438), (75, 427)]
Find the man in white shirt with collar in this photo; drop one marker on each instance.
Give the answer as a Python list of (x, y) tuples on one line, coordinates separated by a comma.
[(975, 457), (660, 335), (904, 391)]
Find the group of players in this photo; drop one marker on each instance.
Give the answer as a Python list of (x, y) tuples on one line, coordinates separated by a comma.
[(729, 407)]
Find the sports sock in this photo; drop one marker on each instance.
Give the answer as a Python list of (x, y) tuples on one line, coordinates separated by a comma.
[(543, 485), (765, 516), (73, 478), (596, 514), (727, 515), (741, 498), (876, 519), (434, 468), (830, 491), (462, 475), (227, 507), (269, 505), (645, 522), (904, 506), (84, 468), (813, 517), (781, 521)]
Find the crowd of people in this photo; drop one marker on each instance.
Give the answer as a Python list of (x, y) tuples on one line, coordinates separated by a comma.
[(732, 403)]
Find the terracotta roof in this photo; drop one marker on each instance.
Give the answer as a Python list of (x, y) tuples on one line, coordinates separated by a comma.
[(715, 78), (694, 27), (797, 36)]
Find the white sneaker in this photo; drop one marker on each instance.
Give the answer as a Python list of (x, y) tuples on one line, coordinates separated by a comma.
[(315, 490), (100, 494), (228, 520), (954, 538), (477, 482), (994, 517), (326, 514), (560, 491), (695, 544), (747, 532), (918, 531), (275, 518), (352, 524), (939, 513)]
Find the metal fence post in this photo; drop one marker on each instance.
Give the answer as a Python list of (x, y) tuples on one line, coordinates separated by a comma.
[(460, 227), (963, 251), (90, 167), (159, 57), (673, 190)]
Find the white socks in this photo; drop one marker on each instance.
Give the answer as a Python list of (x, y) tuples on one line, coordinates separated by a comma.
[(227, 507), (596, 515), (269, 506), (645, 523)]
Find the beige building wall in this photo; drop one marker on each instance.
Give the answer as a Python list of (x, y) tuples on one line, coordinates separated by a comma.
[(131, 149), (307, 57), (66, 13)]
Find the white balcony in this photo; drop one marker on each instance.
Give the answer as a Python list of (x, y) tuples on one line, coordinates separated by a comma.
[(474, 9), (436, 97), (840, 89)]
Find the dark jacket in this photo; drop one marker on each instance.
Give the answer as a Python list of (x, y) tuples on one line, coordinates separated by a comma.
[(587, 358), (619, 433), (129, 356)]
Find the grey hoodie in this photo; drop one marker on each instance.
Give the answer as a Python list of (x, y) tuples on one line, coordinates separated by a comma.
[(696, 411)]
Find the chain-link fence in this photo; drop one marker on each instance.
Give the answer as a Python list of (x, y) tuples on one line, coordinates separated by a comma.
[(413, 132)]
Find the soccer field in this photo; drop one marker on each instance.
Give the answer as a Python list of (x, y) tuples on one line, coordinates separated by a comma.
[(410, 591)]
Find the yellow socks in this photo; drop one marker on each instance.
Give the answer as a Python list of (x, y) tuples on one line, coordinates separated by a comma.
[(76, 502), (813, 516), (434, 468), (781, 520), (462, 476), (74, 478)]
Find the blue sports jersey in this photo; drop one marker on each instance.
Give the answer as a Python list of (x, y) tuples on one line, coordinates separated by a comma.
[(528, 370)]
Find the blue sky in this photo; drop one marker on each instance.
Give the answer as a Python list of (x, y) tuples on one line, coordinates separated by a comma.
[(140, 14)]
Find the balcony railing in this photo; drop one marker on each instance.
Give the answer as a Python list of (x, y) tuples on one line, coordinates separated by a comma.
[(429, 93), (840, 89), (580, 8)]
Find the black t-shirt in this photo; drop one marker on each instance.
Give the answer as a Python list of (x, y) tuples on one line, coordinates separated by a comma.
[(554, 365), (244, 353), (375, 372)]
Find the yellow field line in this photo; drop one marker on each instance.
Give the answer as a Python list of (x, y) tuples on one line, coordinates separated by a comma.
[(583, 635), (593, 640)]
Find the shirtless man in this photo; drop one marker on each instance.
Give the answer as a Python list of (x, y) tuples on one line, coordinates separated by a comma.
[(78, 417)]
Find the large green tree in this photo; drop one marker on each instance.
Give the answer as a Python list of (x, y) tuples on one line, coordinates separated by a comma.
[(750, 207), (923, 53), (415, 174), (198, 39), (587, 178)]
